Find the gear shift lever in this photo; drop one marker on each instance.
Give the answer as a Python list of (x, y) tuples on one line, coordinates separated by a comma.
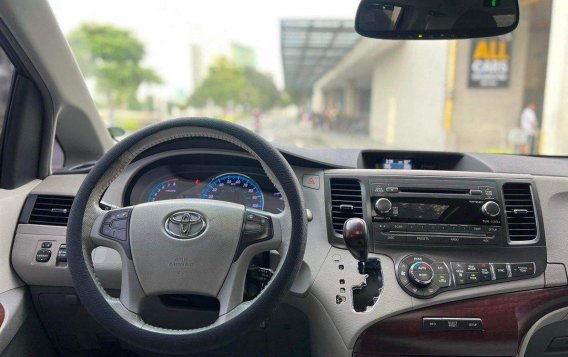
[(356, 238)]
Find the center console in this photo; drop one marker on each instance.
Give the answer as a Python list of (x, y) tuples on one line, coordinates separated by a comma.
[(443, 233)]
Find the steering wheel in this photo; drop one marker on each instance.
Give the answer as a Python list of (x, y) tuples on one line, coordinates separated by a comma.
[(184, 246)]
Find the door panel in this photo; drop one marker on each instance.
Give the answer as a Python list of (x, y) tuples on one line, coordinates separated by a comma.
[(13, 298)]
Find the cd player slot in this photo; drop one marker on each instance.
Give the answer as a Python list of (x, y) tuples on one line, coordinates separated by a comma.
[(441, 234), (433, 190)]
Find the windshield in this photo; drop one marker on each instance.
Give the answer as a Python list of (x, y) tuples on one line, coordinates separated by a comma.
[(297, 73)]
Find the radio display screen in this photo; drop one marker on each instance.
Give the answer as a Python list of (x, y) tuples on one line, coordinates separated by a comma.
[(421, 211), (436, 210)]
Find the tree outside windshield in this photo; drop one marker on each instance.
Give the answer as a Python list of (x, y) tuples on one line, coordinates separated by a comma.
[(298, 74)]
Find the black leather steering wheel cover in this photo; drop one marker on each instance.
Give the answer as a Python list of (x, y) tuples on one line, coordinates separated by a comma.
[(95, 303)]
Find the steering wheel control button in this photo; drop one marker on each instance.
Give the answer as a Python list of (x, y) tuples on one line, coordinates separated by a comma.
[(115, 224), (43, 255), (256, 228), (522, 269)]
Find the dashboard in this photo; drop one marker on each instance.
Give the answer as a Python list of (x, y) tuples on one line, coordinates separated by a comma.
[(457, 242), (205, 176)]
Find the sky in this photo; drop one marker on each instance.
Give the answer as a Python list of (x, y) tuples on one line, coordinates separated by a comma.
[(169, 27)]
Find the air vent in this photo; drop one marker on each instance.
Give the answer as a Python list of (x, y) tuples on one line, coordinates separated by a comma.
[(346, 201), (51, 210), (520, 211)]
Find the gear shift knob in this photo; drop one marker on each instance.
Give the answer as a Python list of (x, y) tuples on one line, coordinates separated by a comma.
[(356, 238)]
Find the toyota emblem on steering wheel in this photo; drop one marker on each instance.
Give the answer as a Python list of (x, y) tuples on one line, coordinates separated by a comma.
[(185, 224)]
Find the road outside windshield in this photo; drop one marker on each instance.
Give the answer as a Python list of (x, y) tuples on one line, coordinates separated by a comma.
[(297, 73)]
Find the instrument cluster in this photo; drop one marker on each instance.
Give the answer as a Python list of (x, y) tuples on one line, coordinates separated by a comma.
[(244, 184)]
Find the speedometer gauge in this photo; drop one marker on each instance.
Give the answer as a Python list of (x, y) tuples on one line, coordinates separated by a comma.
[(235, 188)]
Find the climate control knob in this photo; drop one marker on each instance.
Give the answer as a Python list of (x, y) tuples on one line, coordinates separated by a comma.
[(490, 209), (383, 205), (421, 273)]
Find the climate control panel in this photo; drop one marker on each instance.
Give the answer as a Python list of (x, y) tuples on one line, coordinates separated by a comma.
[(424, 277)]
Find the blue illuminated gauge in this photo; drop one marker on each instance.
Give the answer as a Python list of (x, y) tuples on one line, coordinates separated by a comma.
[(235, 188), (165, 190)]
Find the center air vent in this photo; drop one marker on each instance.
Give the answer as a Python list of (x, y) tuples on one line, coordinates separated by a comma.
[(51, 210), (520, 211), (346, 201)]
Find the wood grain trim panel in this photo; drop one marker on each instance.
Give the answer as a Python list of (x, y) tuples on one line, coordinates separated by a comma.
[(506, 319), (2, 314)]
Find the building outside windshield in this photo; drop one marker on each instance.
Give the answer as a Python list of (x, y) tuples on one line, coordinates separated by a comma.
[(298, 74)]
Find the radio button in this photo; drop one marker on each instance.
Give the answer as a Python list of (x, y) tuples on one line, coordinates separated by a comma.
[(491, 209), (378, 188), (492, 229), (383, 205), (475, 192), (489, 192), (398, 227), (421, 227), (442, 227), (500, 271), (463, 228), (411, 227), (391, 238), (454, 240), (392, 189), (453, 228), (423, 239)]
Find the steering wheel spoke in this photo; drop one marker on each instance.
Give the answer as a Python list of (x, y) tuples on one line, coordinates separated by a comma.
[(111, 229), (261, 232)]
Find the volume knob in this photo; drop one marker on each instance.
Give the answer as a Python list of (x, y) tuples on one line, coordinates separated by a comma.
[(383, 205), (490, 209)]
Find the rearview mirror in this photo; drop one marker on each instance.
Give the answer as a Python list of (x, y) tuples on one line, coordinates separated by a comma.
[(436, 19)]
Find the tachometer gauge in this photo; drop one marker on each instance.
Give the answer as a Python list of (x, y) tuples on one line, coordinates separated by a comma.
[(165, 190), (235, 188)]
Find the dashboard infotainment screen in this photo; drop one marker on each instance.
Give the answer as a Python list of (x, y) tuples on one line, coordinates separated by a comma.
[(397, 164)]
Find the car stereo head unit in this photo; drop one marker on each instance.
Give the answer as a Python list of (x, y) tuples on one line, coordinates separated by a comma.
[(436, 213)]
